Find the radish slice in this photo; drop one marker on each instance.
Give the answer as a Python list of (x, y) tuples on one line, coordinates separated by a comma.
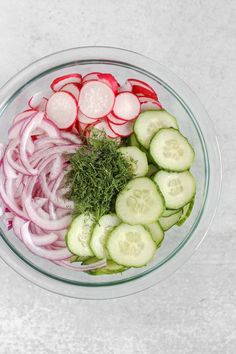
[(71, 88), (123, 130), (127, 106), (104, 77), (142, 87), (115, 120), (96, 99), (86, 120), (62, 109), (148, 106), (127, 87), (61, 81), (90, 76), (38, 102), (104, 126)]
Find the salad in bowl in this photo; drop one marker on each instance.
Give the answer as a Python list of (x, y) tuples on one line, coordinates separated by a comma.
[(102, 179)]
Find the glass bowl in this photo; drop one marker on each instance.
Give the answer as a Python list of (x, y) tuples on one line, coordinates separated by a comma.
[(177, 98)]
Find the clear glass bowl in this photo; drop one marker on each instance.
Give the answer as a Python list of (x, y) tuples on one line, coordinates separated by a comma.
[(176, 97)]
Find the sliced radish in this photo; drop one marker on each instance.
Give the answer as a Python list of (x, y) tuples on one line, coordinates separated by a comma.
[(35, 100), (71, 88), (61, 81), (96, 99), (91, 76), (104, 77), (127, 87), (123, 130), (127, 106), (115, 120), (84, 119), (154, 105), (141, 87), (104, 126), (62, 109)]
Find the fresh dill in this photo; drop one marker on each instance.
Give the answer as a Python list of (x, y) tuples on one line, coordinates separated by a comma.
[(98, 173)]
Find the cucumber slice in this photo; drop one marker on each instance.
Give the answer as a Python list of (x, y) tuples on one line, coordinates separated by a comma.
[(140, 202), (131, 246), (149, 122), (171, 150), (137, 158), (151, 170), (187, 209), (110, 268), (100, 233), (156, 232), (75, 258), (133, 141), (178, 188), (169, 221), (78, 235), (169, 212)]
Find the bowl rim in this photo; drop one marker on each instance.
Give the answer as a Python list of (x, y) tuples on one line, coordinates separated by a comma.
[(176, 258)]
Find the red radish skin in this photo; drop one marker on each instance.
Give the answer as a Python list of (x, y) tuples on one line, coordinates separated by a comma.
[(71, 88), (62, 109), (127, 106), (61, 81), (123, 130), (114, 120), (96, 99), (127, 87), (104, 77), (84, 119), (154, 105), (104, 126), (35, 100)]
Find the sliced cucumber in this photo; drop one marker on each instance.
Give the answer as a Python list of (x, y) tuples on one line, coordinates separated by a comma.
[(169, 221), (151, 170), (171, 150), (178, 188), (140, 202), (131, 246), (109, 269), (149, 122), (100, 233), (78, 235), (187, 209), (169, 212), (133, 141), (75, 258), (156, 232), (137, 158)]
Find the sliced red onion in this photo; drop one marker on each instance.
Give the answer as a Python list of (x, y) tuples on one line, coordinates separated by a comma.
[(65, 204), (14, 164), (53, 255), (51, 225), (33, 123), (73, 138), (11, 204), (26, 114)]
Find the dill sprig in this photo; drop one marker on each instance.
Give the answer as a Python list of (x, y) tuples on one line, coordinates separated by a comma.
[(98, 173)]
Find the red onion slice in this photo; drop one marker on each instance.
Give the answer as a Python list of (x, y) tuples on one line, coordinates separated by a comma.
[(53, 255)]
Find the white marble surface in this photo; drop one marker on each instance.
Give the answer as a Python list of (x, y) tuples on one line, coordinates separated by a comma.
[(194, 311)]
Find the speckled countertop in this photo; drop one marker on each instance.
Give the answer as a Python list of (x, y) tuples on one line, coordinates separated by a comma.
[(194, 311)]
